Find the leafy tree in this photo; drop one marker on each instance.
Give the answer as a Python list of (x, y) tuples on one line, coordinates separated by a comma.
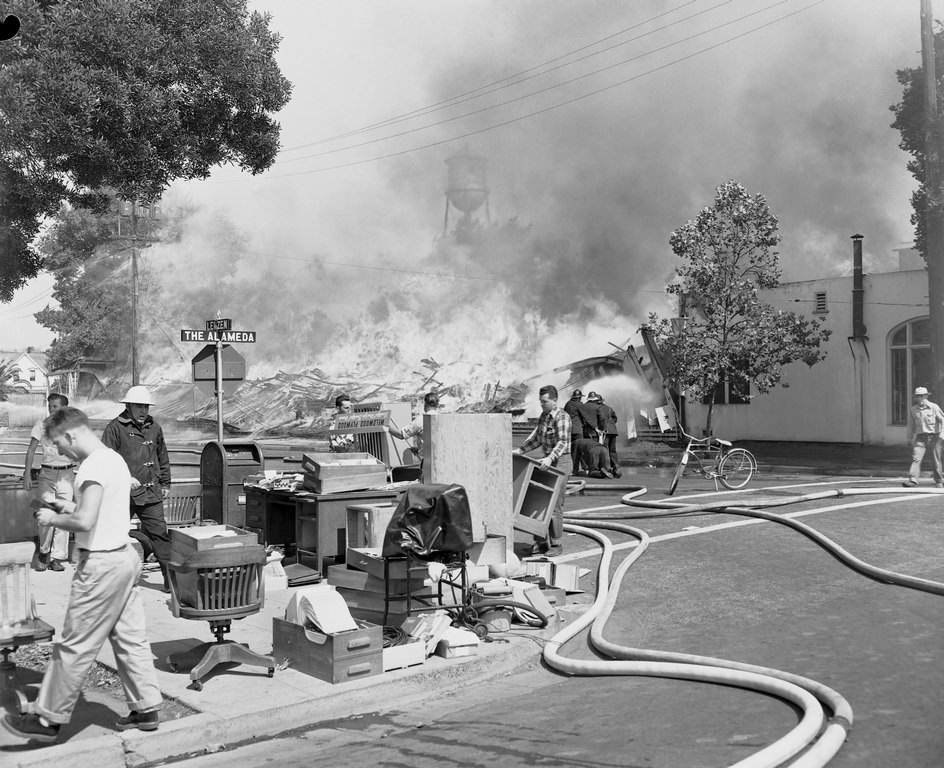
[(728, 332), (126, 95), (910, 122), (10, 381)]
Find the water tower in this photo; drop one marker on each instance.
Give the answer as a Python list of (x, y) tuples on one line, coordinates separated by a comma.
[(466, 185)]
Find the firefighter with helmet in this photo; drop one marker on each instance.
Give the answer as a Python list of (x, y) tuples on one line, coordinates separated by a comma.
[(140, 440)]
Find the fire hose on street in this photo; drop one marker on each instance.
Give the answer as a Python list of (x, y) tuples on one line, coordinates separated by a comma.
[(826, 715)]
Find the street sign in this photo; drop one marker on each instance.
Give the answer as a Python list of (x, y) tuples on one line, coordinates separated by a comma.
[(233, 368), (220, 324), (227, 337)]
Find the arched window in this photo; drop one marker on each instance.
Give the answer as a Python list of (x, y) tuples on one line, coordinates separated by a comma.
[(910, 364)]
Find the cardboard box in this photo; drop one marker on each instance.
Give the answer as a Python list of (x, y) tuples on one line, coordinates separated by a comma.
[(198, 538), (489, 552), (367, 523), (456, 643), (428, 628), (407, 654), (334, 658)]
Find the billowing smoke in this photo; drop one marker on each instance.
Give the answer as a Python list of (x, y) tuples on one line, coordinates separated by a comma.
[(347, 269)]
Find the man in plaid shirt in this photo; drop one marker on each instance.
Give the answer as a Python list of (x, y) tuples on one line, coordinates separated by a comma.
[(552, 436)]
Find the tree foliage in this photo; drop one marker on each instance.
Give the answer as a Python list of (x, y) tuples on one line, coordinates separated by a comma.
[(126, 95), (910, 122), (10, 381), (728, 332)]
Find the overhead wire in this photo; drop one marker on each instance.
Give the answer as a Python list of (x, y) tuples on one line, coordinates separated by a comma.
[(545, 110), (474, 92), (539, 91)]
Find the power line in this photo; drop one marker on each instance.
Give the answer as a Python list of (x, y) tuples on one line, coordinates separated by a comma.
[(530, 114), (482, 89), (546, 88)]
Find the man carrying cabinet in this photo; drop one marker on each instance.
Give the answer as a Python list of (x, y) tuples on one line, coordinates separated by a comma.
[(104, 602), (552, 436)]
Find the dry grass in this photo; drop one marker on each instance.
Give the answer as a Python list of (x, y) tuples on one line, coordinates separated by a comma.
[(101, 679)]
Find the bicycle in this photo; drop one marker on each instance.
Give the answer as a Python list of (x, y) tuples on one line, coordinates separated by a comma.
[(717, 460)]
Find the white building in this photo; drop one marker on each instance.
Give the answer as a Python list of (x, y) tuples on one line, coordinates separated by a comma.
[(861, 392), (33, 369)]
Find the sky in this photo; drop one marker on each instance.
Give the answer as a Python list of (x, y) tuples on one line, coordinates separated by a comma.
[(602, 153)]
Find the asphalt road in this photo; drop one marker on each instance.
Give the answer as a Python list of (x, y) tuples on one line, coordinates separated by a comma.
[(717, 585)]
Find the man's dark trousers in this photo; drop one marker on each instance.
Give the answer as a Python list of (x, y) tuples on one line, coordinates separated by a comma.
[(155, 528)]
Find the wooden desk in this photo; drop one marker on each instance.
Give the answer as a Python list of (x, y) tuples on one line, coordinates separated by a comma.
[(321, 523)]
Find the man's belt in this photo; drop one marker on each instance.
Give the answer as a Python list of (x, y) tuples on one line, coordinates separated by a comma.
[(57, 466)]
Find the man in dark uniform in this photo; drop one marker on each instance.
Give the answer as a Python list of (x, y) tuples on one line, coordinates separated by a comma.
[(575, 409), (140, 440), (606, 427)]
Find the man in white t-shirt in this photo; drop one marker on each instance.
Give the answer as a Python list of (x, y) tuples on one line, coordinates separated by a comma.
[(56, 474), (104, 603)]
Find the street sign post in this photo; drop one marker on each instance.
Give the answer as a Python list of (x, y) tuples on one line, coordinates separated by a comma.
[(218, 368)]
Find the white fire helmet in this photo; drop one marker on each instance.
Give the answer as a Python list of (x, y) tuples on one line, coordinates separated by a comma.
[(139, 395)]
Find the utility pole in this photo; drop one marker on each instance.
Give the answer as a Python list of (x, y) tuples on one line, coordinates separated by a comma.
[(934, 227), (134, 299)]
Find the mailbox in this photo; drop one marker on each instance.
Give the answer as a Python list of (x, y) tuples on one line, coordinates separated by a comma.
[(223, 465)]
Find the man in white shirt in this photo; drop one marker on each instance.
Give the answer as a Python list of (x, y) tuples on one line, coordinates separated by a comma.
[(56, 475), (104, 603)]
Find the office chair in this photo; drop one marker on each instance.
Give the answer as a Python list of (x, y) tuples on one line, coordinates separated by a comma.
[(18, 622), (218, 586)]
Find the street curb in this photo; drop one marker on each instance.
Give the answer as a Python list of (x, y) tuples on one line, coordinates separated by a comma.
[(770, 468), (204, 733)]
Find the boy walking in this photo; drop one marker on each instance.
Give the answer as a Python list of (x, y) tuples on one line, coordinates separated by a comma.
[(104, 603)]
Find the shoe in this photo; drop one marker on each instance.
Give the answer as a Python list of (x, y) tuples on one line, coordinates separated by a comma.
[(606, 473), (56, 565), (539, 547), (909, 483), (554, 549), (617, 473), (143, 721), (29, 727), (42, 561)]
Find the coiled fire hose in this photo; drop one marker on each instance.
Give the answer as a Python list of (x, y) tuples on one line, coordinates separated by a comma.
[(821, 738)]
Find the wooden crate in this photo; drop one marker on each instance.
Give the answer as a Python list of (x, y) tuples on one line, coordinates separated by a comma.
[(367, 523), (335, 658), (341, 483), (337, 472)]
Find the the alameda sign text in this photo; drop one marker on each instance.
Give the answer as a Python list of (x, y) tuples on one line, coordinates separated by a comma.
[(227, 337)]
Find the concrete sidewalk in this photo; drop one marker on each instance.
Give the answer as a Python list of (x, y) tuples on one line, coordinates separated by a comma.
[(240, 703)]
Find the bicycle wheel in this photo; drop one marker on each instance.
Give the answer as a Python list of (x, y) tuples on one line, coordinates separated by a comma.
[(736, 468), (679, 469)]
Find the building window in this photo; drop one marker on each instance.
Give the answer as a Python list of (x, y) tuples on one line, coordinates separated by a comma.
[(733, 390), (910, 365), (32, 374), (819, 303)]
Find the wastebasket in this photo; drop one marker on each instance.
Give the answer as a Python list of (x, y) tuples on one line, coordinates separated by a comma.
[(16, 516), (223, 465)]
